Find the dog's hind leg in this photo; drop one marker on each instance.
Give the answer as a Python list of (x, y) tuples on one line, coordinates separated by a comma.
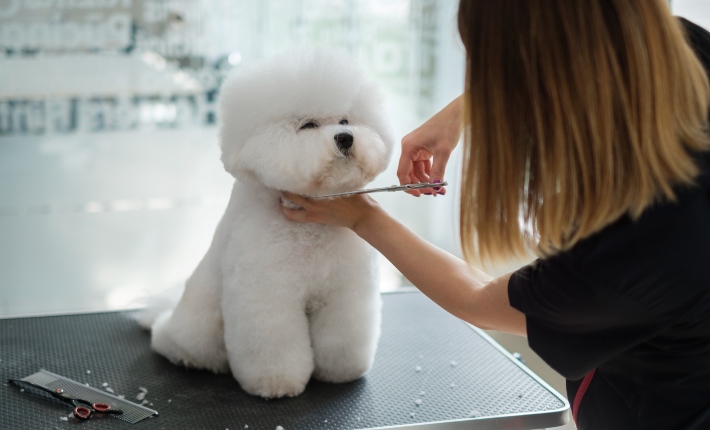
[(192, 334), (345, 331)]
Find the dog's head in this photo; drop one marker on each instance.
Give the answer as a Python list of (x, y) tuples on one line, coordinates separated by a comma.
[(307, 122)]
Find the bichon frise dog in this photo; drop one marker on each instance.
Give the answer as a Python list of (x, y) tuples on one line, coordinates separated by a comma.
[(276, 301)]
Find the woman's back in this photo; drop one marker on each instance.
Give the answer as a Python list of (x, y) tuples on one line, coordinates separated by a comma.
[(631, 302), (624, 315)]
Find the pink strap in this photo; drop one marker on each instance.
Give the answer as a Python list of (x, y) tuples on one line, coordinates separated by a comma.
[(580, 393)]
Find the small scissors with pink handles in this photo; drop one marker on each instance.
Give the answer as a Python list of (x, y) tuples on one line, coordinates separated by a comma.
[(83, 409)]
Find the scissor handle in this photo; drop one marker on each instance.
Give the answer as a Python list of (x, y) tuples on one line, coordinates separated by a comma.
[(105, 408), (102, 408), (83, 412)]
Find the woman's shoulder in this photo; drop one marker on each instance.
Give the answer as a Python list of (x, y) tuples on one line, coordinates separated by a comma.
[(666, 248)]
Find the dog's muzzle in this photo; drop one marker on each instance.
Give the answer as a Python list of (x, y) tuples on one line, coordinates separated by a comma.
[(344, 141)]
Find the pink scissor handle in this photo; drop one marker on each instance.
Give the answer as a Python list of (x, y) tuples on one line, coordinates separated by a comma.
[(101, 408), (82, 412)]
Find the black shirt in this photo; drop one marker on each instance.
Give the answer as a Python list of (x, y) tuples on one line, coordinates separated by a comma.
[(632, 305)]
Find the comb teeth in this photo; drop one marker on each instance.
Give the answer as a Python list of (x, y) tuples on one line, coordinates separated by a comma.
[(132, 412)]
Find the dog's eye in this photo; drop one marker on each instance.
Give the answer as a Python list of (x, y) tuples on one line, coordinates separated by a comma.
[(343, 122), (309, 124)]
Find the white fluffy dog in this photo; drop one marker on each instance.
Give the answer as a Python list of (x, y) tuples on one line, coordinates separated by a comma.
[(275, 301)]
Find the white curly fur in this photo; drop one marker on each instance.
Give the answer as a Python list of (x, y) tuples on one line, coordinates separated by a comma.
[(275, 301)]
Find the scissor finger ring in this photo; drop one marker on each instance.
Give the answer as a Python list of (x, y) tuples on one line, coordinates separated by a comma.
[(82, 412)]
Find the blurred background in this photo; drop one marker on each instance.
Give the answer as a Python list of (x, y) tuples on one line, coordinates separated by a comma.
[(110, 179)]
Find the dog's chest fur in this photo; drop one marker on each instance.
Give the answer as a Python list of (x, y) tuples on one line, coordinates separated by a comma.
[(313, 258)]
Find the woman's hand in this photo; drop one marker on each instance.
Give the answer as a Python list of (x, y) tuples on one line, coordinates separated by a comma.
[(435, 138), (342, 211)]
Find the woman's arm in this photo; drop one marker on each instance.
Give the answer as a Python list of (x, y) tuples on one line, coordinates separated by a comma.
[(456, 286), (459, 288)]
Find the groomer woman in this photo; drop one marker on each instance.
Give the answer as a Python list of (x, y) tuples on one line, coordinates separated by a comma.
[(584, 139)]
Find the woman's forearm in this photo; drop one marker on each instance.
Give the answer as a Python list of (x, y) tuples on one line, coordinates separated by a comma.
[(456, 286), (461, 289)]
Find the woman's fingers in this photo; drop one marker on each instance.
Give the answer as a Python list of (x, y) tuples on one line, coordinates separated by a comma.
[(438, 166), (299, 213), (341, 211), (420, 171), (406, 160), (409, 168), (420, 175), (297, 199)]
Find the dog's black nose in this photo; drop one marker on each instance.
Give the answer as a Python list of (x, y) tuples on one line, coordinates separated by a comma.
[(344, 140)]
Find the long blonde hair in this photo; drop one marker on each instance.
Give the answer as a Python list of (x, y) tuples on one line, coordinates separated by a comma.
[(576, 112)]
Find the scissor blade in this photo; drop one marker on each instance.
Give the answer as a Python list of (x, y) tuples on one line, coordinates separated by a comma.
[(392, 188)]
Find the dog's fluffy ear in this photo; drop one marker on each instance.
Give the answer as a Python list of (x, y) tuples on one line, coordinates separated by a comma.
[(294, 85)]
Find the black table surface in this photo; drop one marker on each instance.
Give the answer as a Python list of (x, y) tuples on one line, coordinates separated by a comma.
[(462, 377)]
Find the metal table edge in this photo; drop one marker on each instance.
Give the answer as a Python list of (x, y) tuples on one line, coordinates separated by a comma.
[(523, 421), (69, 313)]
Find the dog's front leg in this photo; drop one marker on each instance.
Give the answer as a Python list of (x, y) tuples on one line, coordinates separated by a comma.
[(345, 331), (267, 341)]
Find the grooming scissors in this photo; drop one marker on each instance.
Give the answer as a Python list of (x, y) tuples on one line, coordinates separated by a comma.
[(83, 409), (392, 188)]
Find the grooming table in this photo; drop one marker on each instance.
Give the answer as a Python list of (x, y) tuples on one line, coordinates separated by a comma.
[(463, 378)]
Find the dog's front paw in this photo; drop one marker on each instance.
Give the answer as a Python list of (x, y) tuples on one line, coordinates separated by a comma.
[(274, 386), (339, 371), (339, 361)]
